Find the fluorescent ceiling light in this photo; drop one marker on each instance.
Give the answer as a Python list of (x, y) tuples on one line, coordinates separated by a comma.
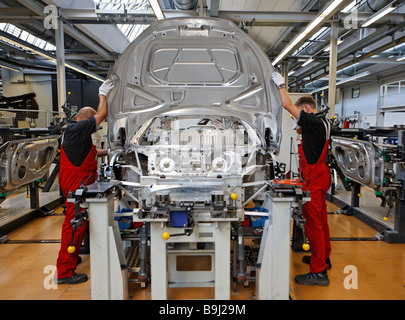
[(349, 7), (311, 26), (84, 71), (328, 47), (10, 68), (307, 62), (360, 75), (387, 9), (401, 58), (157, 9), (357, 76), (52, 58)]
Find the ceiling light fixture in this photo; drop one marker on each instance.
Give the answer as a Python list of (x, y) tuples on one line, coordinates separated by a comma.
[(357, 76), (157, 9), (84, 71), (10, 68), (52, 58), (378, 15), (307, 62), (328, 47), (311, 26), (349, 7)]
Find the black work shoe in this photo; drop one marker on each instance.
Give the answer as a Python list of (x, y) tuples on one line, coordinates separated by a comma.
[(310, 279), (307, 260), (75, 279)]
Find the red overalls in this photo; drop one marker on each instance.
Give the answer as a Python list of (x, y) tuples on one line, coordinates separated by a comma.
[(70, 177), (317, 180)]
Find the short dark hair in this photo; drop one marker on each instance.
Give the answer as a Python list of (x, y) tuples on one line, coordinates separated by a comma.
[(306, 100)]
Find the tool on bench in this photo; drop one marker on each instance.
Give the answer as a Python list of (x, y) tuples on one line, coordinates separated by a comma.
[(293, 186)]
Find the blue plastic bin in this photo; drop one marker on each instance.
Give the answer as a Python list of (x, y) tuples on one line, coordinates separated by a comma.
[(124, 218), (178, 218), (124, 222), (257, 223)]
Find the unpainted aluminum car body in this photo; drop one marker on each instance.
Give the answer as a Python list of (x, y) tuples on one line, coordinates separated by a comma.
[(193, 110), (26, 160)]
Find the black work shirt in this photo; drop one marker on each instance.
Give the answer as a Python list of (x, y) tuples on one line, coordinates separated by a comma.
[(76, 140), (314, 135)]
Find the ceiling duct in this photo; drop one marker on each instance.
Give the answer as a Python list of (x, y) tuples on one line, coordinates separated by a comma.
[(185, 4)]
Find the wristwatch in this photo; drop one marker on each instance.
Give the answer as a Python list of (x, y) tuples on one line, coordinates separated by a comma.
[(281, 86)]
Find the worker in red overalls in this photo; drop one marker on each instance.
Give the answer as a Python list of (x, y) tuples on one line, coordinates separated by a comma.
[(315, 174), (78, 164)]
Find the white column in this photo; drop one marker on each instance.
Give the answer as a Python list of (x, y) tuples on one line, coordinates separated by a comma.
[(158, 261), (60, 63), (222, 258), (332, 68)]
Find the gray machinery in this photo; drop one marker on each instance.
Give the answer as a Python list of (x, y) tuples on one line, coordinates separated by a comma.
[(194, 122), (23, 163), (373, 158), (26, 155), (26, 160)]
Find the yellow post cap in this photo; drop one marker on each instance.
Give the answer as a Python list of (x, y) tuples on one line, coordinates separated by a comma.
[(71, 249), (234, 196), (385, 218), (166, 235), (305, 246)]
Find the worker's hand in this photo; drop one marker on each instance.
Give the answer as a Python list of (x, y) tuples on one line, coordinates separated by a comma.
[(106, 87), (277, 78)]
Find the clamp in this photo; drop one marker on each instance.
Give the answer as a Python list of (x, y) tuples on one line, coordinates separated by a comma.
[(80, 215)]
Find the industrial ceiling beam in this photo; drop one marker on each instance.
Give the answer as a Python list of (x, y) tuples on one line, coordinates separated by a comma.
[(328, 11), (379, 34), (33, 7), (42, 53), (365, 59), (250, 18)]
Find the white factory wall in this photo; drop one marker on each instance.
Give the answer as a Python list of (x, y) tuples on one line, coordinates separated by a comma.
[(368, 105), (17, 83)]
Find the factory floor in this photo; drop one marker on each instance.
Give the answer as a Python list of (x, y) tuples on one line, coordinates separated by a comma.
[(380, 267)]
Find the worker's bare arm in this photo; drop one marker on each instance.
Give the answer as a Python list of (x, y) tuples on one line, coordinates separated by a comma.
[(285, 99), (102, 109), (287, 103), (102, 152)]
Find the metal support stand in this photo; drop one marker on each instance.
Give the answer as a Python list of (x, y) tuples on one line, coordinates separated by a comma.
[(109, 275), (34, 195), (273, 264), (355, 194), (163, 272)]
